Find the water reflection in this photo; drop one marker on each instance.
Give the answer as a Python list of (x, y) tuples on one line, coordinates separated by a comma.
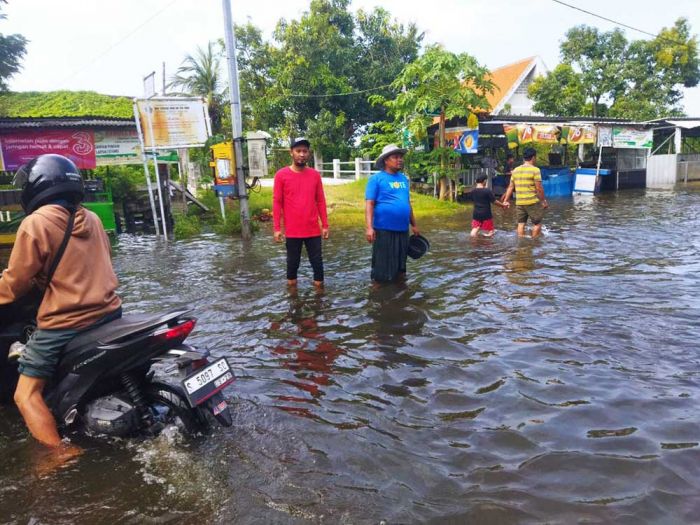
[(507, 381), (305, 350)]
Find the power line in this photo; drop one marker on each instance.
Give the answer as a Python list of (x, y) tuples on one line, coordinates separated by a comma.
[(341, 94), (618, 23), (118, 42)]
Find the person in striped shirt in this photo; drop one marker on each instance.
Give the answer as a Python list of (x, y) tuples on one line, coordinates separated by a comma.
[(529, 194)]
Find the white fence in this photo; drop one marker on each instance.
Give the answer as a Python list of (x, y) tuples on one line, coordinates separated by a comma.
[(356, 169)]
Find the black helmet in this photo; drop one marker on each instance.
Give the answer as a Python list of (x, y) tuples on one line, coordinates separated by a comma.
[(47, 178)]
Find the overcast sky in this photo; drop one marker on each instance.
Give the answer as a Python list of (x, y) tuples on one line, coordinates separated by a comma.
[(108, 46)]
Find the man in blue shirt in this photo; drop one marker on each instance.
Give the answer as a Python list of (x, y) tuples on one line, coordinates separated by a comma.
[(388, 213)]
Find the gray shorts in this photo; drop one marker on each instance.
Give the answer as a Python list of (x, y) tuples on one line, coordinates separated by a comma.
[(40, 357)]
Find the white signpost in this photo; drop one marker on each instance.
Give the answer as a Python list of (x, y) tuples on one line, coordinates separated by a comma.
[(170, 123)]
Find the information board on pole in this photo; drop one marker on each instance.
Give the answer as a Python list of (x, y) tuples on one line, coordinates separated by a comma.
[(173, 122)]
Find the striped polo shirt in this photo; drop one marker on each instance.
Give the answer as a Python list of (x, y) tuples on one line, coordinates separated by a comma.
[(524, 178)]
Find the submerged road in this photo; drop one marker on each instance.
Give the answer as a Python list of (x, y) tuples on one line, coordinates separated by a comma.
[(510, 381)]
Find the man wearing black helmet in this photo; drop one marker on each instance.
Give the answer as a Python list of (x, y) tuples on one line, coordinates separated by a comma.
[(62, 248)]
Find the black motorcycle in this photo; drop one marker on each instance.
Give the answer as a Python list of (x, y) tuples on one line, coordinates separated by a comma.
[(129, 377)]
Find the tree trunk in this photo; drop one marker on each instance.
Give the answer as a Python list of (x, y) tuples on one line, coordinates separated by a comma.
[(444, 184)]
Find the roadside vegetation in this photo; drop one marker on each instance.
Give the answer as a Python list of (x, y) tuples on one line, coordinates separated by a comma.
[(345, 204)]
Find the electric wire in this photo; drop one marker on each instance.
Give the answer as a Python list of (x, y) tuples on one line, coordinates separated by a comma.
[(339, 94), (118, 42), (677, 42)]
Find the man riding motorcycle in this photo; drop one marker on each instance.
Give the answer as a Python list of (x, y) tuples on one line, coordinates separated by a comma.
[(63, 249)]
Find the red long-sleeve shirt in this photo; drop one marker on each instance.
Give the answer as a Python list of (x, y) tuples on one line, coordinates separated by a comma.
[(298, 198)]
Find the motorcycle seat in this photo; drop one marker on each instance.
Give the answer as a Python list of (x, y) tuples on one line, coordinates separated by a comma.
[(123, 327)]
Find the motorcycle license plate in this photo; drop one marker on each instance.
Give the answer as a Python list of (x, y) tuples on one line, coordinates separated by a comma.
[(205, 382)]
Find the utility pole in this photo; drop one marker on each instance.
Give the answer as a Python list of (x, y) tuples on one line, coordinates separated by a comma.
[(237, 125)]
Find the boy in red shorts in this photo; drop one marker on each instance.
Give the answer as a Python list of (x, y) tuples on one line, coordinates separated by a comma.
[(482, 219)]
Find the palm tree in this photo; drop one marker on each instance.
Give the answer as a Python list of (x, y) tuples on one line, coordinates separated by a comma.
[(199, 75)]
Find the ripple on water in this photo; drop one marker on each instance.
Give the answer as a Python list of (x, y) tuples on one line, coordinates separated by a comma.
[(509, 380)]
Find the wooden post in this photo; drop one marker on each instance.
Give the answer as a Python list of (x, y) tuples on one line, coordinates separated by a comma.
[(358, 168)]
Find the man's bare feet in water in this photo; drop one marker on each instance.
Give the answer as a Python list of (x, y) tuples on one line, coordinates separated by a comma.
[(49, 460)]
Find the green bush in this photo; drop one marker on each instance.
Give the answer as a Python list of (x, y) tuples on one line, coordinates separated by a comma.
[(186, 226)]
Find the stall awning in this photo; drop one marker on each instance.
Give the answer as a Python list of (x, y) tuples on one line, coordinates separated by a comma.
[(685, 124)]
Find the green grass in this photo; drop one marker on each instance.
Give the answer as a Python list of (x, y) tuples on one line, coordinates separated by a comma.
[(345, 204)]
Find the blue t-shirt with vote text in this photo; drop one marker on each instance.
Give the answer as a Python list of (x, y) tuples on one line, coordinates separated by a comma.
[(392, 205)]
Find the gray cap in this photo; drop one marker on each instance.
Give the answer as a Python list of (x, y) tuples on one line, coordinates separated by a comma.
[(300, 140), (389, 149)]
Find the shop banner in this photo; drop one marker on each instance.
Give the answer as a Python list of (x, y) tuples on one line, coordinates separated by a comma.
[(511, 133), (529, 133), (526, 133), (452, 136), (2, 162), (19, 147), (175, 122), (469, 141), (546, 134), (116, 147), (578, 135), (632, 138), (605, 137)]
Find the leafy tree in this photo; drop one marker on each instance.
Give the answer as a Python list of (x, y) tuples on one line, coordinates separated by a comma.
[(327, 133), (599, 57), (602, 73), (12, 50), (383, 48), (315, 59), (200, 74), (559, 93), (324, 64), (437, 83), (260, 107), (655, 72)]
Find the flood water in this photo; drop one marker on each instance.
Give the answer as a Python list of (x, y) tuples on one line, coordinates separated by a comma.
[(509, 381)]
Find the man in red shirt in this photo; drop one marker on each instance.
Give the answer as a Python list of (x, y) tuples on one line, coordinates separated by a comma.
[(299, 201)]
